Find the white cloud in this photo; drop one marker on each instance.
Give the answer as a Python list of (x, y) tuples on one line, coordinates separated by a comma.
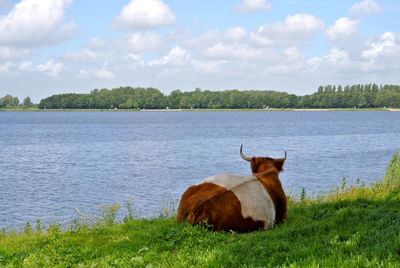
[(342, 29), (10, 53), (144, 14), (144, 41), (334, 66), (35, 23), (134, 57), (294, 29), (386, 45), (6, 67), (208, 66), (177, 56), (235, 34), (26, 66), (204, 40), (223, 51), (84, 55), (365, 7), (293, 54), (334, 57), (51, 68), (83, 74), (253, 5), (104, 73), (136, 61)]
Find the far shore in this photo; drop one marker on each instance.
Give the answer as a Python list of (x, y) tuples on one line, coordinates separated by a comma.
[(207, 110)]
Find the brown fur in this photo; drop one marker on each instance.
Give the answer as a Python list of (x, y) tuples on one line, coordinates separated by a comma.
[(221, 209), (266, 170), (216, 206), (195, 196)]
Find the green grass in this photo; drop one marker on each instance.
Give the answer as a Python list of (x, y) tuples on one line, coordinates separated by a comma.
[(19, 109), (356, 227)]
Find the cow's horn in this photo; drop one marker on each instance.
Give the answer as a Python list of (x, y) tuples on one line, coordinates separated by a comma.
[(242, 154), (285, 156)]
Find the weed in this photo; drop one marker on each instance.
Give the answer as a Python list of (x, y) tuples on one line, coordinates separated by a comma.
[(343, 183), (303, 194), (108, 213), (28, 228), (168, 209), (38, 226), (392, 176), (130, 213)]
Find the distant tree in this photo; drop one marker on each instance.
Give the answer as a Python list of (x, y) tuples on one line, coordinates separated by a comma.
[(185, 102), (8, 100), (27, 102), (15, 101), (174, 99), (131, 103), (362, 103)]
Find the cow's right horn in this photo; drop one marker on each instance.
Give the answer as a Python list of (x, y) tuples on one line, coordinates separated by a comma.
[(242, 154)]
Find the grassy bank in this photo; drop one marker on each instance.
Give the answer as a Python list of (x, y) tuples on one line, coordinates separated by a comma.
[(353, 227)]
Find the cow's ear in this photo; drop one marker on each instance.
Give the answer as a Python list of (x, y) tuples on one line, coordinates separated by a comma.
[(278, 163)]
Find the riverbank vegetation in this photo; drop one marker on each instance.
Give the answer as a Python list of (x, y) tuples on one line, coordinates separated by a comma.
[(351, 227), (12, 102), (327, 97)]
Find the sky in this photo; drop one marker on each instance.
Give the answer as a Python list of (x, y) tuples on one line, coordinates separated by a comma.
[(74, 46)]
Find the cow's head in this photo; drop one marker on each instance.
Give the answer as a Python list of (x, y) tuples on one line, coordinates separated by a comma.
[(262, 164)]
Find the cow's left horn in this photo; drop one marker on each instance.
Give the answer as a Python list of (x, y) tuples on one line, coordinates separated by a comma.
[(242, 154)]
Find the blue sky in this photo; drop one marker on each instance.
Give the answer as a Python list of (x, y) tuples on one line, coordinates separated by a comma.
[(57, 46)]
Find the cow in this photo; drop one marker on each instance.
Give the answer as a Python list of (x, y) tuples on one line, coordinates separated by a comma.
[(228, 202)]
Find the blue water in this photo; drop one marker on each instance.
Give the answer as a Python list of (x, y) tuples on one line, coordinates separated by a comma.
[(54, 162)]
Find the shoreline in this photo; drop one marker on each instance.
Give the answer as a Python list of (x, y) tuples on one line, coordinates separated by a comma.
[(212, 110)]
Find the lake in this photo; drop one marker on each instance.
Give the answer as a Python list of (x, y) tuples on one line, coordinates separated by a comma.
[(54, 162)]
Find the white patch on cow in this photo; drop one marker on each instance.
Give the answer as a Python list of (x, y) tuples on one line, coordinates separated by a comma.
[(254, 199)]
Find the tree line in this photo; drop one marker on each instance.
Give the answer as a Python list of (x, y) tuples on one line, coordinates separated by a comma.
[(355, 96), (151, 98), (328, 96), (9, 101)]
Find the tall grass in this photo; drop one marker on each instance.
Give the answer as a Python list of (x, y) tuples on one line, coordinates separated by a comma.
[(354, 227), (392, 177)]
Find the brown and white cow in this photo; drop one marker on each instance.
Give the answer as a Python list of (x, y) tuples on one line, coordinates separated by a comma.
[(238, 203)]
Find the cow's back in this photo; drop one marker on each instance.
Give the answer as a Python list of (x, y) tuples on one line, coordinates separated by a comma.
[(228, 202)]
